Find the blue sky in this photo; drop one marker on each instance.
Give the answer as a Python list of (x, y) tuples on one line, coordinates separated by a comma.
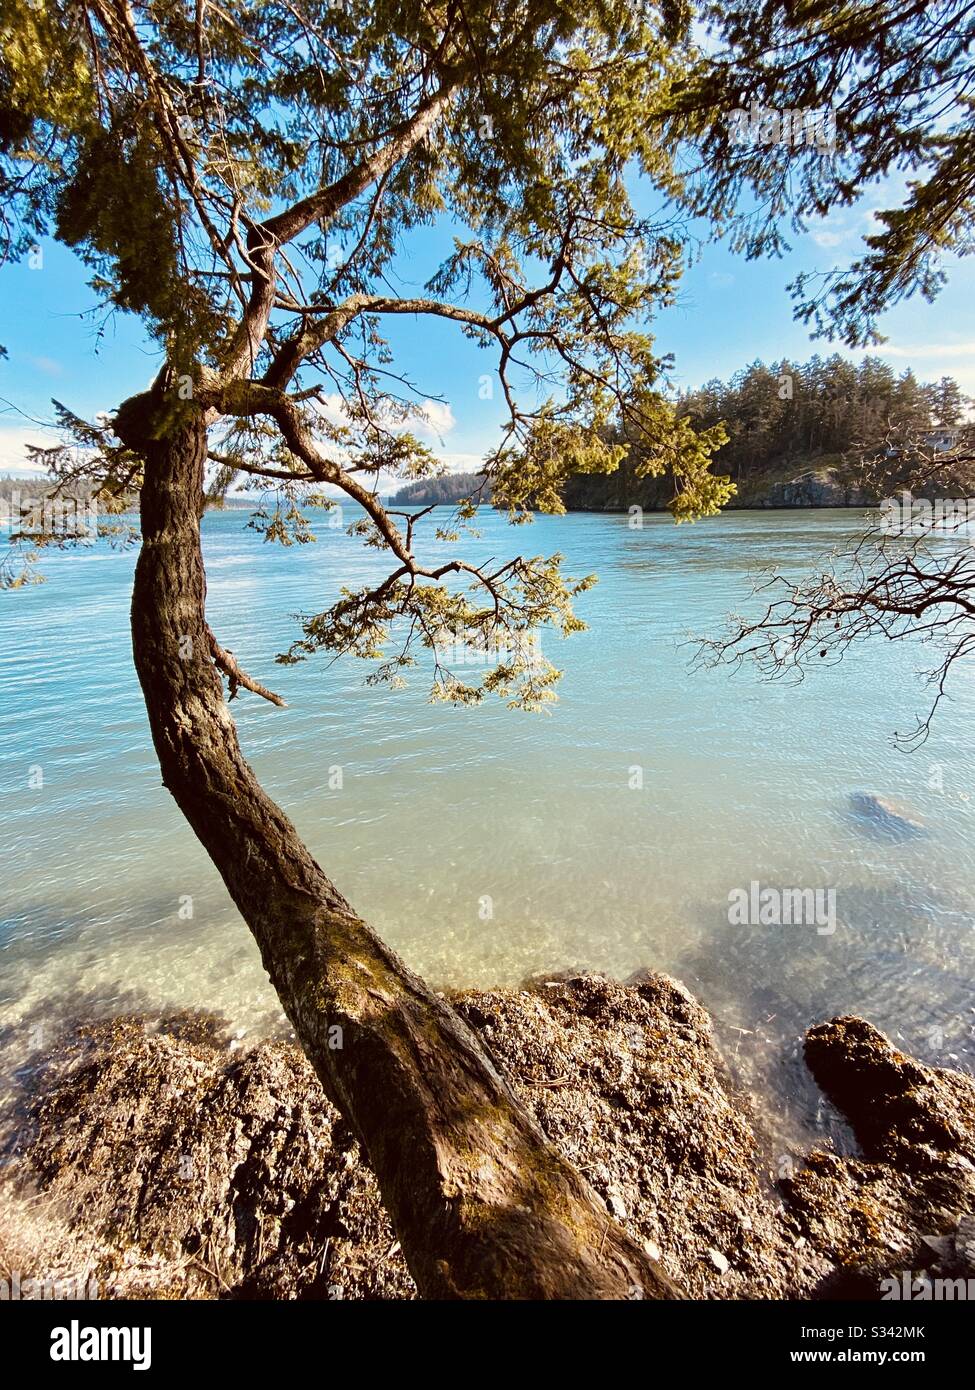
[(730, 312)]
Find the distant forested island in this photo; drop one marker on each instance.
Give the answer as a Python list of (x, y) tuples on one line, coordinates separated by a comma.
[(36, 485), (793, 432)]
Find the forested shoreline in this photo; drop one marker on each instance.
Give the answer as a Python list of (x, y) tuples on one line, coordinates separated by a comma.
[(796, 435)]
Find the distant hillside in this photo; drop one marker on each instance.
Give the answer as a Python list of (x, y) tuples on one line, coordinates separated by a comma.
[(38, 485), (448, 489)]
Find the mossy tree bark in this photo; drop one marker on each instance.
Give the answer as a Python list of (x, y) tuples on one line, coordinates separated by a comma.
[(483, 1205)]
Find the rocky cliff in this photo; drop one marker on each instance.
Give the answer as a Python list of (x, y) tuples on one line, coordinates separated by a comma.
[(799, 484)]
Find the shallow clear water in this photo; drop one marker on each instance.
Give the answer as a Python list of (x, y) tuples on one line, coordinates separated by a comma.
[(443, 808)]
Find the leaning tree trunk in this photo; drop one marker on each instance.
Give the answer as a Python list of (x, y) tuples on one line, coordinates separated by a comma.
[(484, 1207)]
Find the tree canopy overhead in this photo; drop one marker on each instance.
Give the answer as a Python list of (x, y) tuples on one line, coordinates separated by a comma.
[(899, 77), (244, 176)]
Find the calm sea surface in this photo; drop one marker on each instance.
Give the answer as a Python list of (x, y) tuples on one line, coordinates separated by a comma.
[(488, 845)]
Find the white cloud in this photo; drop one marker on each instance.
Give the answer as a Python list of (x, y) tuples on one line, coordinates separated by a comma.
[(432, 419), (846, 227), (929, 350), (461, 463), (14, 440), (828, 239), (928, 360), (48, 365)]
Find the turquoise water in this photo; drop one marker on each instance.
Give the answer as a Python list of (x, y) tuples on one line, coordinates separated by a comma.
[(488, 845)]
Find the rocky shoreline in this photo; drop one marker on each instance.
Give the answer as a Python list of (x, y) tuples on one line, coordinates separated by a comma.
[(150, 1155), (802, 485)]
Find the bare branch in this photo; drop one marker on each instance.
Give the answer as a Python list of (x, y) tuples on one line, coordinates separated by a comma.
[(225, 661)]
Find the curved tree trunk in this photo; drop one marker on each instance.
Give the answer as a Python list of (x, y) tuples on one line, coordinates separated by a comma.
[(483, 1205)]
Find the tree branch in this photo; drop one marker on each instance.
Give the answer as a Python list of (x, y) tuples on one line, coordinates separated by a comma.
[(225, 662)]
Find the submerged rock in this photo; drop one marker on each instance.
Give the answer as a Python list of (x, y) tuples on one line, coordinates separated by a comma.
[(147, 1154), (890, 818)]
